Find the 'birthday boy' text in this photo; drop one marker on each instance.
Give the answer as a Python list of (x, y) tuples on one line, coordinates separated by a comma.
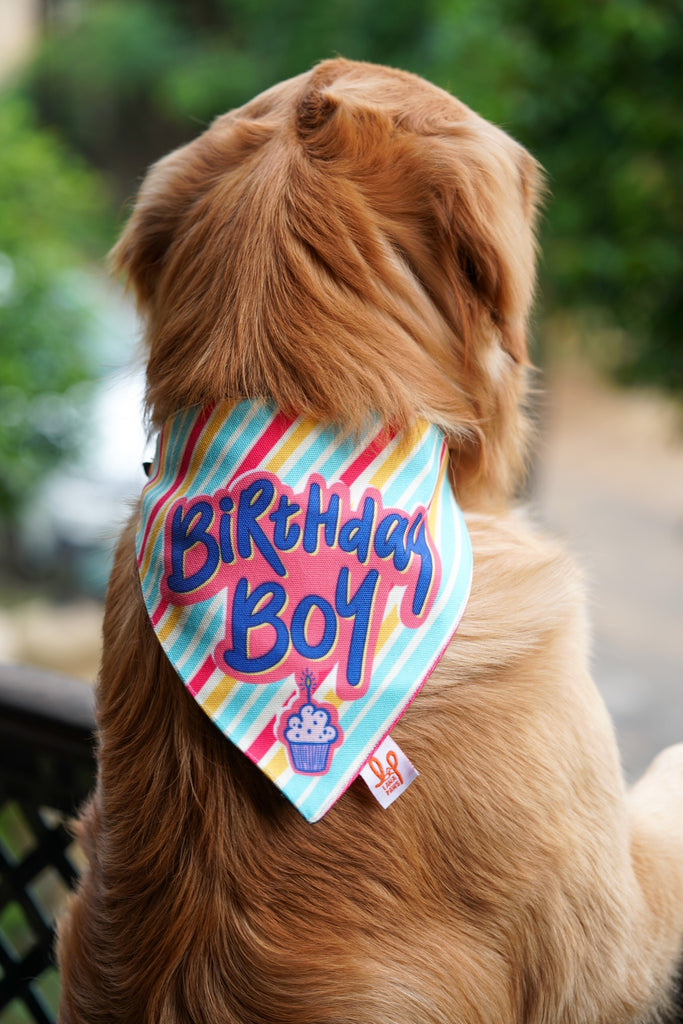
[(307, 577)]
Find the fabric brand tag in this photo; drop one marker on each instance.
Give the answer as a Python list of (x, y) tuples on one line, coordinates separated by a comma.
[(388, 773)]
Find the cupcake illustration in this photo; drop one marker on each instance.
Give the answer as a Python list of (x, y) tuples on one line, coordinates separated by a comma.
[(310, 734)]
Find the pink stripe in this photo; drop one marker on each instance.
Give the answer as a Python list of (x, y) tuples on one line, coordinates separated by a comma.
[(367, 456), (158, 612), (263, 444), (185, 462), (201, 676), (263, 742)]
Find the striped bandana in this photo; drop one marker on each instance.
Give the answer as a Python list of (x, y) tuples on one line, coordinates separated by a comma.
[(302, 585)]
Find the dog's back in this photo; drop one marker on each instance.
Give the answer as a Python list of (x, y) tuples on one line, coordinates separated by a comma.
[(356, 242)]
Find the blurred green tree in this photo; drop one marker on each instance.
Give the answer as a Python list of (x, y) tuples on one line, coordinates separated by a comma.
[(599, 103), (591, 88), (52, 216)]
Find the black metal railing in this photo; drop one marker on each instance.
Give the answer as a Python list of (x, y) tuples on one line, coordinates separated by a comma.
[(46, 770)]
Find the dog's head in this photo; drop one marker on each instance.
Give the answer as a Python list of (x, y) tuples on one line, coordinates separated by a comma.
[(353, 241)]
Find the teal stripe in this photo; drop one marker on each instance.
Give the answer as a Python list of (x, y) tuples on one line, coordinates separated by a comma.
[(395, 490), (302, 468), (244, 693), (336, 461), (175, 441), (231, 444), (214, 630)]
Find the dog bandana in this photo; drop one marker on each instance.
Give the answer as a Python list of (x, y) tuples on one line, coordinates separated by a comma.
[(302, 584)]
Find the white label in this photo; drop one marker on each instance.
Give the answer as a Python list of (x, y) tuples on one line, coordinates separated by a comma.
[(388, 773)]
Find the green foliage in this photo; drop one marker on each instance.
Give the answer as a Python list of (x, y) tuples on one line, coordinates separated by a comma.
[(51, 219), (598, 106), (135, 77), (590, 88)]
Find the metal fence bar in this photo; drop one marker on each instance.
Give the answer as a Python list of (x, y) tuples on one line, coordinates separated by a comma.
[(46, 771)]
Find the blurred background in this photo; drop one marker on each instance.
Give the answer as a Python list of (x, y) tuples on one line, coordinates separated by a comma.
[(92, 91)]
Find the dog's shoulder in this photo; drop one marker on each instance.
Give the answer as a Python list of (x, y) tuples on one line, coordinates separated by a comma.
[(525, 588)]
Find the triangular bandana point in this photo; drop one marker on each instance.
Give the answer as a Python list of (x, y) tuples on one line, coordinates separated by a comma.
[(302, 586)]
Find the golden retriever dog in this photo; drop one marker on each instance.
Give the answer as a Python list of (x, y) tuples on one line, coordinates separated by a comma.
[(357, 243)]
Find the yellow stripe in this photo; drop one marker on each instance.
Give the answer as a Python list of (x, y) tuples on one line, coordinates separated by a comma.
[(404, 448), (386, 629), (276, 766), (170, 624), (212, 703), (332, 698), (213, 426), (164, 445), (436, 499), (290, 445)]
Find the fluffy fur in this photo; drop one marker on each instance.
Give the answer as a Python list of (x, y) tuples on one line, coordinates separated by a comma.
[(356, 240)]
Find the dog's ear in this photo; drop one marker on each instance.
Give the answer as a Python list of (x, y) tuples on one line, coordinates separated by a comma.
[(163, 208), (140, 251), (486, 200), (456, 195), (333, 124)]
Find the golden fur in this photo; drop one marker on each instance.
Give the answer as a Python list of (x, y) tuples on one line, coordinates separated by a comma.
[(356, 240)]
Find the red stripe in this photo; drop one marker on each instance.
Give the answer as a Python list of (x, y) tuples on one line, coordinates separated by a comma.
[(185, 462), (206, 669), (158, 612), (264, 443), (367, 456), (263, 742)]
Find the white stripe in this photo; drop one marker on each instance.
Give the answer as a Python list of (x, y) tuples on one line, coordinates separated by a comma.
[(274, 705), (209, 686), (297, 455), (436, 453), (215, 604)]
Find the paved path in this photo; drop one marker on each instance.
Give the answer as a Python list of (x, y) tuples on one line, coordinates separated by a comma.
[(610, 482)]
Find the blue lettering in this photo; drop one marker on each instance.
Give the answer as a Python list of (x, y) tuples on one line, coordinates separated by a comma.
[(356, 534), (417, 542), (390, 540), (227, 554), (317, 517), (186, 531), (250, 612), (254, 501), (285, 536), (358, 607), (300, 620)]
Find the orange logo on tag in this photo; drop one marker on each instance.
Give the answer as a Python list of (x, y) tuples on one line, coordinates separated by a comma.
[(392, 770), (389, 776)]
